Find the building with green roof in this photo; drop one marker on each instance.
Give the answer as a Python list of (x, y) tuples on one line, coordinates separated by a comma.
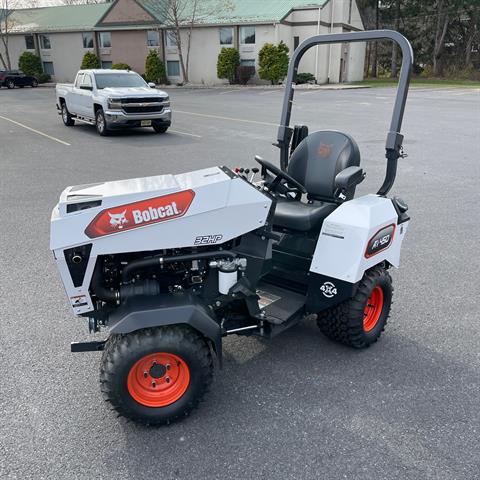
[(126, 30)]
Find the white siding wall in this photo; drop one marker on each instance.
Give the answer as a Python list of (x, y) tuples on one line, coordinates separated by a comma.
[(66, 53)]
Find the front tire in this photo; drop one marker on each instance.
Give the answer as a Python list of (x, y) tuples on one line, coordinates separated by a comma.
[(34, 84), (360, 321), (101, 123), (159, 128), (10, 84), (66, 117), (158, 375)]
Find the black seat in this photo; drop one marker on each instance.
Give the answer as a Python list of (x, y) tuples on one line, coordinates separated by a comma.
[(315, 163)]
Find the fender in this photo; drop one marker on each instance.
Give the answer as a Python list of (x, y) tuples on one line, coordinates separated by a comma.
[(167, 309)]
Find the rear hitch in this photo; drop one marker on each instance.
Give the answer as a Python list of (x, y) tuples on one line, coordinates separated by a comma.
[(87, 346)]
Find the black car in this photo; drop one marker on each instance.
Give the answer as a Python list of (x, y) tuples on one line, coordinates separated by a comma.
[(16, 78)]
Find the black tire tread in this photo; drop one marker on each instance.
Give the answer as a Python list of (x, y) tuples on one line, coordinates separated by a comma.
[(119, 345), (341, 322)]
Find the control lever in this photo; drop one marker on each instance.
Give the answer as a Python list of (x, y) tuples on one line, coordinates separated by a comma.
[(255, 170)]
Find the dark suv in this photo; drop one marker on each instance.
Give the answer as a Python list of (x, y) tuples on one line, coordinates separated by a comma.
[(16, 78)]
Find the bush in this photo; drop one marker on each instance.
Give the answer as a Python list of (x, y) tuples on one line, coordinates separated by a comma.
[(154, 69), (43, 77), (273, 62), (227, 64), (245, 73), (30, 64), (90, 60), (305, 78), (121, 66)]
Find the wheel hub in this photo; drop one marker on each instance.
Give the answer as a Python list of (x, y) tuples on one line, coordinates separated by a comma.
[(158, 379), (157, 370), (373, 309)]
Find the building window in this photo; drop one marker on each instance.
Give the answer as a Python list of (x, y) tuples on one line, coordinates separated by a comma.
[(106, 65), (173, 68), (171, 38), (45, 42), (247, 62), (296, 42), (247, 35), (87, 38), (226, 36), (105, 39), (153, 38), (48, 68), (29, 42)]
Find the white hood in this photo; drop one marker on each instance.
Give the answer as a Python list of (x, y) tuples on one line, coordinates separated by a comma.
[(133, 92)]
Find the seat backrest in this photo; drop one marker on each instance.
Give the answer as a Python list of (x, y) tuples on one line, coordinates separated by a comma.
[(319, 157)]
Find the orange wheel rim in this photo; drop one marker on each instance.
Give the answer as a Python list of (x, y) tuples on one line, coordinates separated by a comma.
[(373, 309), (158, 379)]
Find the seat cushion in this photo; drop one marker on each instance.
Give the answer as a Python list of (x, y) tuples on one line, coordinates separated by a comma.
[(304, 217)]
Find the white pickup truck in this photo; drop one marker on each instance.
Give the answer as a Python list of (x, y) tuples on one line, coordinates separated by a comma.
[(111, 99)]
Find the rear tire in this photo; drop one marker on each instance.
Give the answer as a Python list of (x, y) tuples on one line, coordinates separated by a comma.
[(101, 123), (360, 321), (66, 117), (34, 84), (10, 84), (158, 375)]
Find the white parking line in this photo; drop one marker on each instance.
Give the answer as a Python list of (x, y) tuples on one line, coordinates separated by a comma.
[(35, 131), (227, 118), (185, 133)]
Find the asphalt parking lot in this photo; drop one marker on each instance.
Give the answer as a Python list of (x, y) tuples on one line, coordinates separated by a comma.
[(299, 406)]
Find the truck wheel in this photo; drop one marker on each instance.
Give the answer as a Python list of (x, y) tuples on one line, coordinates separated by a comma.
[(158, 375), (101, 123), (10, 84), (34, 83), (66, 117), (159, 128), (360, 321)]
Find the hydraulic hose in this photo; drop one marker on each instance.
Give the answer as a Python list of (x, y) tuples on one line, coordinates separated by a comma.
[(100, 290), (158, 260)]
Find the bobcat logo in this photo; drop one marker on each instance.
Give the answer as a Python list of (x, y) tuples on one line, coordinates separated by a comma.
[(324, 150), (117, 220)]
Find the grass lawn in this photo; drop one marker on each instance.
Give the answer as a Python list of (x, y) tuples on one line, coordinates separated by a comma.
[(424, 82)]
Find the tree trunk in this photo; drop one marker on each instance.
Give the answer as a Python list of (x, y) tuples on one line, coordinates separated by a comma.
[(375, 47), (440, 33), (180, 55), (471, 36), (394, 69), (367, 67)]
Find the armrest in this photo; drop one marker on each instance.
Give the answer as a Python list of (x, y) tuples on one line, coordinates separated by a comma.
[(349, 177)]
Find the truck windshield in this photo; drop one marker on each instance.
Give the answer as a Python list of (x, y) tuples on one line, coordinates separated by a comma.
[(115, 80)]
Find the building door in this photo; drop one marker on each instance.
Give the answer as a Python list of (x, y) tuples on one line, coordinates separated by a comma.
[(343, 77)]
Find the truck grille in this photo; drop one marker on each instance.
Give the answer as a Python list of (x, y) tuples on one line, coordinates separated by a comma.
[(141, 109)]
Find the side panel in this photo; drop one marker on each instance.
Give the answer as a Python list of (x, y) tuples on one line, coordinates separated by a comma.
[(358, 235)]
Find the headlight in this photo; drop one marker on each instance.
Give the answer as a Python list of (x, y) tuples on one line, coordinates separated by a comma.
[(166, 101), (114, 104)]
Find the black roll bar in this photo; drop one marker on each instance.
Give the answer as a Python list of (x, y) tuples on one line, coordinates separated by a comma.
[(394, 141)]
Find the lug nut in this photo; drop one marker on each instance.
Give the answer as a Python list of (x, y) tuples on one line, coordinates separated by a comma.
[(167, 379), (145, 374), (154, 384), (167, 366)]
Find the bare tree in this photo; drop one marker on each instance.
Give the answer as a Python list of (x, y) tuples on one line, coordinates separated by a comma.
[(394, 71), (183, 15), (443, 19), (6, 25), (84, 2)]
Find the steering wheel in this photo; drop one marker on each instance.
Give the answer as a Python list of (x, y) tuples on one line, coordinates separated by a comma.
[(280, 175)]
